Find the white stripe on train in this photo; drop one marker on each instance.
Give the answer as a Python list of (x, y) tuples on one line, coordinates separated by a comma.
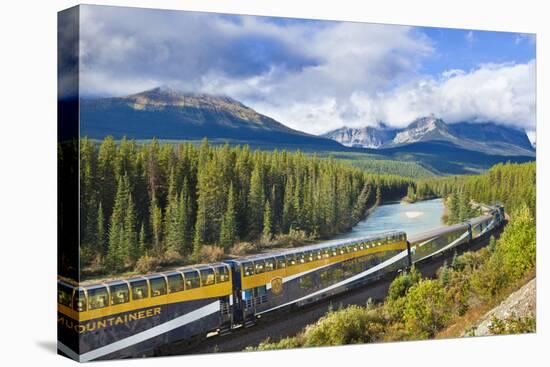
[(144, 335), (390, 261)]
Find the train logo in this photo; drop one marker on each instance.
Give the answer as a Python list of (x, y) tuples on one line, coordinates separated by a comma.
[(277, 285)]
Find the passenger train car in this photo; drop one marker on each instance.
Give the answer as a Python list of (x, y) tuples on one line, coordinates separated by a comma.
[(134, 316)]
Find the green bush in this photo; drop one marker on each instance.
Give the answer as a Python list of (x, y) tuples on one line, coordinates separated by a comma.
[(146, 264), (350, 325), (514, 255), (513, 325), (395, 300), (285, 343), (427, 309), (518, 244)]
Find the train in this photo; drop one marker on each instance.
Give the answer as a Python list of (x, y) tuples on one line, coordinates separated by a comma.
[(135, 316)]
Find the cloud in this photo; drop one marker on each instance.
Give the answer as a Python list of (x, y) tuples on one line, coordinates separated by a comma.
[(311, 75), (525, 37), (470, 38)]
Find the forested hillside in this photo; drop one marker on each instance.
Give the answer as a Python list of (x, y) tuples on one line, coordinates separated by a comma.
[(510, 184), (165, 203)]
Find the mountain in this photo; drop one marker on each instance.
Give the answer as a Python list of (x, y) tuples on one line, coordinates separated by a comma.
[(366, 137), (424, 129), (486, 137), (173, 115), (495, 136)]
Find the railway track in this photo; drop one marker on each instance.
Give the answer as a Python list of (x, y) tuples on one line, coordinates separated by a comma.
[(290, 323)]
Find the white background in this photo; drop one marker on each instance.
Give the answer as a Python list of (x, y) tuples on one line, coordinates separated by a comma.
[(28, 181)]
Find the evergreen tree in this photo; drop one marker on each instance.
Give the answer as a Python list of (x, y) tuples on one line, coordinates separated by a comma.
[(267, 232), (130, 248), (141, 242), (378, 195), (100, 236), (229, 227), (255, 203), (410, 193), (115, 254), (156, 225)]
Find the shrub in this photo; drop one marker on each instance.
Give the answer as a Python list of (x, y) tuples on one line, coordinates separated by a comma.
[(517, 246), (401, 284), (427, 308), (513, 325), (243, 248), (351, 325), (146, 264), (293, 238), (490, 279), (513, 256), (171, 257), (285, 343), (211, 254), (395, 300)]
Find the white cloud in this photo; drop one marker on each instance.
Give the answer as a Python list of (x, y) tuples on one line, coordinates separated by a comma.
[(312, 76), (470, 38)]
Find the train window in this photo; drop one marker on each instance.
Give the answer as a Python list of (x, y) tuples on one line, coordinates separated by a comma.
[(79, 301), (98, 298), (222, 274), (64, 294), (119, 294), (291, 259), (362, 246), (259, 266), (355, 248), (317, 255), (281, 264), (207, 277), (301, 257), (158, 286), (139, 289), (175, 283), (269, 264), (248, 269), (191, 279), (326, 253), (308, 256), (333, 251)]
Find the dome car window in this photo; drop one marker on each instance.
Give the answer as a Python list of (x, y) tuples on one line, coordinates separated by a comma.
[(119, 294), (222, 274), (175, 283), (248, 269), (98, 298), (191, 279), (64, 294), (139, 289), (158, 287), (207, 277)]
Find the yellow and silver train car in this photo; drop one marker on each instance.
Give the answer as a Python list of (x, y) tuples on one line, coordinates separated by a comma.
[(130, 317), (268, 282)]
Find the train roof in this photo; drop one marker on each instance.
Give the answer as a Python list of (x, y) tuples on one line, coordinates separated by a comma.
[(437, 232), (318, 246), (95, 283)]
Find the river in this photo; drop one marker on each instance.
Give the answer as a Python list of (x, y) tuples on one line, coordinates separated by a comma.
[(412, 218)]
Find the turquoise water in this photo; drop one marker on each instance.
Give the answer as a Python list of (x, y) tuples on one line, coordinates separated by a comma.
[(412, 218)]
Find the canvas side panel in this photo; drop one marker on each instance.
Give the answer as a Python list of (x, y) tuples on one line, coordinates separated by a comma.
[(67, 151)]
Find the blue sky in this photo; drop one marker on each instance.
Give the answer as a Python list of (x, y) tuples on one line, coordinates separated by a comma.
[(467, 49), (313, 75)]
